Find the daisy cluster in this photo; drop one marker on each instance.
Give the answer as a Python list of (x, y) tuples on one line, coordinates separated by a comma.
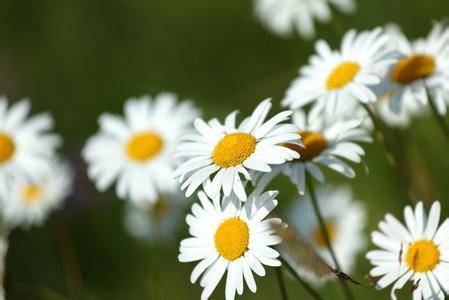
[(33, 178), (160, 145), (159, 152), (332, 108)]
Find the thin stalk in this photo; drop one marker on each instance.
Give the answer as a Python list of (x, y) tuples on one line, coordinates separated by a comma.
[(73, 275), (3, 250), (281, 283), (380, 134), (305, 285), (316, 208), (443, 125)]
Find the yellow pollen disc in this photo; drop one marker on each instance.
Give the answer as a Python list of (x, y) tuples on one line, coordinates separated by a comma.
[(232, 238), (422, 256), (413, 68), (144, 146), (314, 144), (319, 237), (7, 147), (233, 149), (343, 74), (31, 193)]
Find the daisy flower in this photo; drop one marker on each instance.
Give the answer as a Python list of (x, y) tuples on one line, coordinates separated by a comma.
[(344, 220), (421, 72), (229, 151), (25, 143), (30, 202), (334, 76), (233, 238), (284, 16), (325, 142), (417, 252), (399, 117), (155, 222), (135, 151)]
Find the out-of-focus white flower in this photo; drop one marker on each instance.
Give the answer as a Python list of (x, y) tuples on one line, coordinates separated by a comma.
[(155, 222), (29, 202), (334, 77), (136, 150), (417, 252), (230, 151), (283, 17), (232, 236), (422, 72), (344, 219), (25, 143)]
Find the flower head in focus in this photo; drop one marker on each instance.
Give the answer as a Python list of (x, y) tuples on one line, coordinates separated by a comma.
[(229, 151), (334, 77), (327, 142), (417, 252), (231, 236)]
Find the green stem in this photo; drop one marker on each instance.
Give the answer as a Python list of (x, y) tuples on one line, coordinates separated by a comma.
[(316, 208), (305, 285), (4, 237), (380, 135), (444, 127), (281, 283)]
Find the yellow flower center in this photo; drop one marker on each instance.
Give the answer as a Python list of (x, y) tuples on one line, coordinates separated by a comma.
[(319, 237), (413, 68), (31, 193), (342, 75), (232, 238), (422, 256), (7, 147), (144, 146), (233, 149), (314, 144)]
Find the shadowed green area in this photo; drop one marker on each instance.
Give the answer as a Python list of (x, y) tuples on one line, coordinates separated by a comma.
[(80, 58)]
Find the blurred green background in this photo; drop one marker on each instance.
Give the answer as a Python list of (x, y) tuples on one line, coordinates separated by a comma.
[(80, 58)]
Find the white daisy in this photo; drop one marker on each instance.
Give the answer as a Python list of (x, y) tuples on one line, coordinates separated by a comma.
[(325, 142), (25, 143), (233, 238), (229, 151), (421, 72), (417, 252), (334, 76), (29, 202), (155, 222), (402, 117), (344, 219), (136, 150), (285, 16)]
